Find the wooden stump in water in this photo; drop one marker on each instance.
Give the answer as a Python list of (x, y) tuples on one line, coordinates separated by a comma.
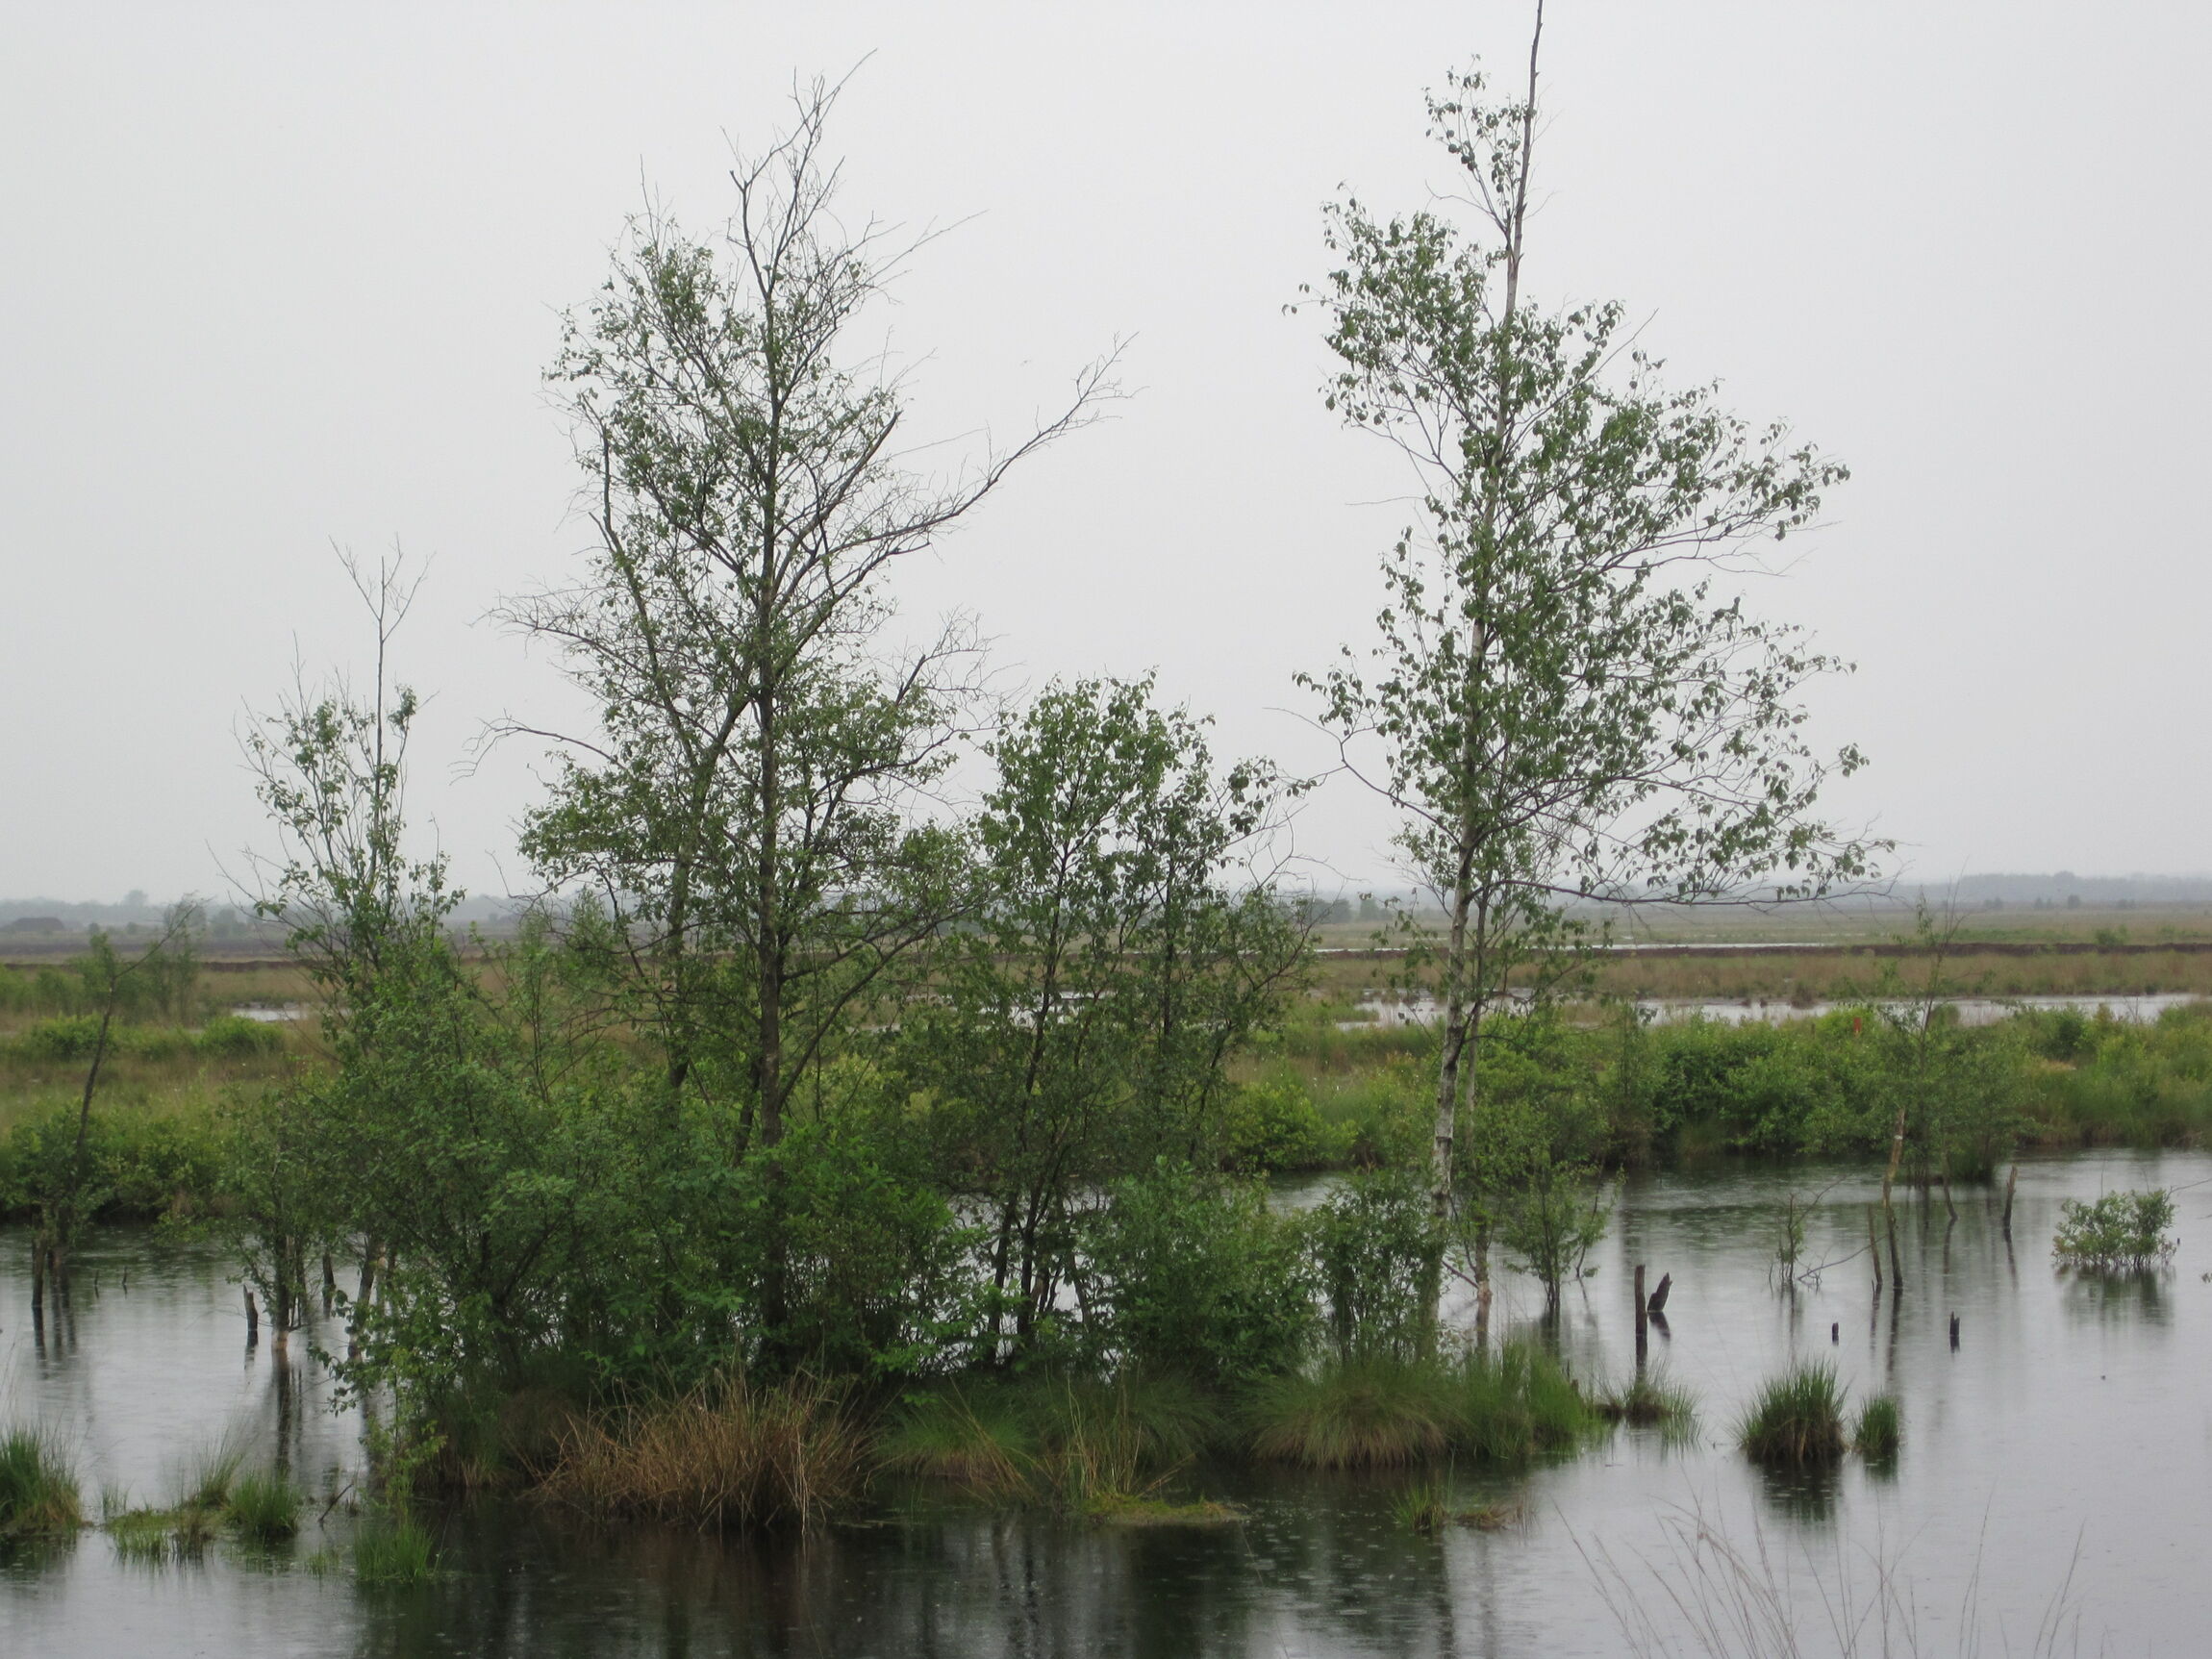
[(253, 1318), (1642, 1321)]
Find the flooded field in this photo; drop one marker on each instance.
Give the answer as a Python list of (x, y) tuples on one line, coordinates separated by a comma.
[(2053, 1494)]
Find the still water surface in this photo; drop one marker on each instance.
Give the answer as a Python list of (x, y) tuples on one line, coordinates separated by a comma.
[(2059, 1459)]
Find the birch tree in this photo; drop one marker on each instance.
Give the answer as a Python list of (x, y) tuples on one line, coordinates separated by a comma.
[(1565, 701)]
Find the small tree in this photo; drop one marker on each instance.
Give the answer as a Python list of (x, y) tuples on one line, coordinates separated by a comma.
[(1561, 704), (746, 811), (1122, 949)]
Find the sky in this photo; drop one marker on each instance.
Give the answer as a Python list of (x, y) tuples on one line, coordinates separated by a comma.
[(284, 278)]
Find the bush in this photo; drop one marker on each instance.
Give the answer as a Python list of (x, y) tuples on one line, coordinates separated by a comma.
[(66, 1038), (1376, 1245), (1798, 1420), (1197, 1278), (1273, 1124), (2121, 1231), (234, 1037)]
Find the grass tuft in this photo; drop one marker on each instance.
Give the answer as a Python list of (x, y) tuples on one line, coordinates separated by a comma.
[(1880, 1427), (394, 1552), (39, 1496), (1380, 1414), (1798, 1420), (1651, 1401), (726, 1454), (264, 1508)]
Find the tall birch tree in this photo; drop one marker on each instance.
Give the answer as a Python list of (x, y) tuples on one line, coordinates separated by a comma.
[(1566, 700)]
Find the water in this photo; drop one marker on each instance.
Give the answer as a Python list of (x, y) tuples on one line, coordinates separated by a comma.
[(2071, 1432), (1970, 1010)]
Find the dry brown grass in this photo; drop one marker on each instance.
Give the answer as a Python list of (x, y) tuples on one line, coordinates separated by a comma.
[(727, 1454)]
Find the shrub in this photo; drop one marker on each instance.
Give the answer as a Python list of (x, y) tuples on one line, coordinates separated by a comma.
[(1273, 1124), (1798, 1420), (67, 1037), (1376, 1245), (234, 1037), (38, 1493), (1197, 1278), (2119, 1231)]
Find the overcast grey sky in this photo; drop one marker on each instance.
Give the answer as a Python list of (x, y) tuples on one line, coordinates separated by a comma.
[(282, 275)]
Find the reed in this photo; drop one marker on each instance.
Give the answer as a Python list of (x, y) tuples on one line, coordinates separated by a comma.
[(975, 1438), (728, 1453), (1798, 1420)]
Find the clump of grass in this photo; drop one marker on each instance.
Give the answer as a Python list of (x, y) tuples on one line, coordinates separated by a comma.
[(1798, 1420), (205, 1482), (1651, 1401), (1424, 1508), (1146, 1511), (1514, 1406), (725, 1454), (972, 1439), (1497, 1408), (392, 1552), (39, 1496), (2119, 1232), (1370, 1413), (264, 1508), (1879, 1428)]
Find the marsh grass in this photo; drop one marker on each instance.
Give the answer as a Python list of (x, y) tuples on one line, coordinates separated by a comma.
[(729, 1453), (1796, 1422), (264, 1508), (1509, 1407), (1652, 1401), (1427, 1507), (1087, 1446), (1879, 1429), (393, 1551), (39, 1493)]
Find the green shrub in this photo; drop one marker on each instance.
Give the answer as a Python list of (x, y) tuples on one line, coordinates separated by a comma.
[(1273, 1124), (1376, 1245), (66, 1038), (234, 1037), (2117, 1232), (1798, 1420), (1197, 1277)]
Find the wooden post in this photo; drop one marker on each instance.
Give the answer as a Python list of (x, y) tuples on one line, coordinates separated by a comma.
[(1875, 1250), (1643, 1321), (2010, 1182), (1896, 1267), (329, 1285), (253, 1318)]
